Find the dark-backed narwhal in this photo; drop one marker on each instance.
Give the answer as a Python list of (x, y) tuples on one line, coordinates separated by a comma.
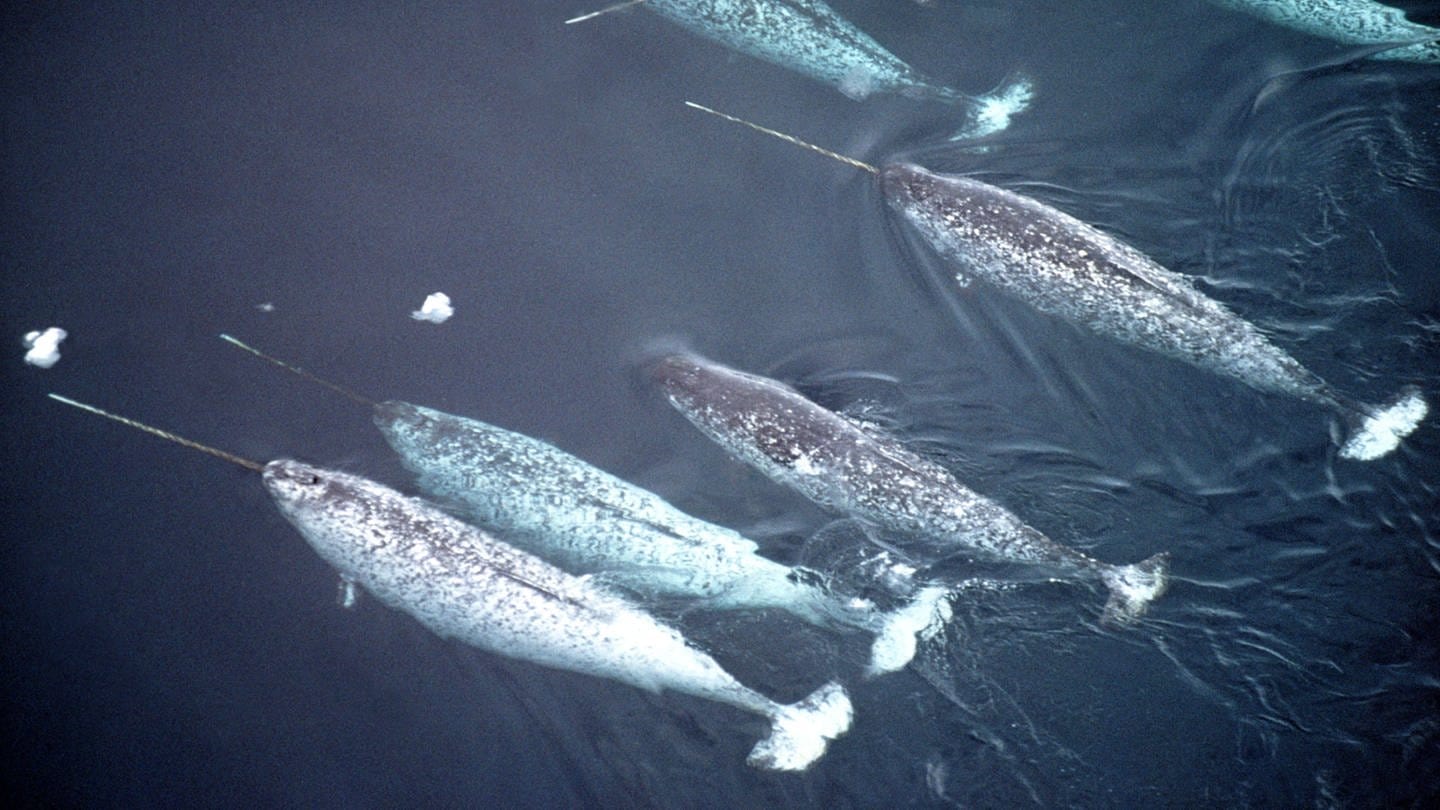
[(873, 477)]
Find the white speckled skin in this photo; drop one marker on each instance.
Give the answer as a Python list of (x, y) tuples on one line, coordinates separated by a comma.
[(806, 36), (464, 584), (585, 520), (864, 474), (1355, 22), (837, 464), (1062, 266)]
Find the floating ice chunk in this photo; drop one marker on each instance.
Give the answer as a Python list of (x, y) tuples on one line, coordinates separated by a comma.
[(43, 348), (266, 307), (436, 309)]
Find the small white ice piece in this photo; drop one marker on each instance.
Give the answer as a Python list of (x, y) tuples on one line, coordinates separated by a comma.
[(436, 309), (268, 306), (43, 348)]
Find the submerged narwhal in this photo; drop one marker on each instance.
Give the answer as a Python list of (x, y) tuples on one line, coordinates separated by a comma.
[(464, 584), (587, 521), (810, 38), (1067, 268), (873, 477), (1353, 22)]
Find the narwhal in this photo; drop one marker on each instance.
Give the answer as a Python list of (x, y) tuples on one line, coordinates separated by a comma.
[(1353, 22), (464, 584), (589, 522), (810, 38), (873, 477), (1067, 268)]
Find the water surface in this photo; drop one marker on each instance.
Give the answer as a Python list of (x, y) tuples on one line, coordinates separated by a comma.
[(170, 640)]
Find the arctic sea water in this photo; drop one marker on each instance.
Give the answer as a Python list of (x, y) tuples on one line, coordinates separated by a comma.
[(170, 639)]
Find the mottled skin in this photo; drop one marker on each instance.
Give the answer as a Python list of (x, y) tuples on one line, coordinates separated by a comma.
[(861, 473), (1064, 267), (586, 520), (806, 36), (463, 584), (1354, 22)]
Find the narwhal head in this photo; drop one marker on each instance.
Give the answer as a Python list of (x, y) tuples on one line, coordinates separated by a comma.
[(344, 517), (691, 382), (737, 409), (306, 493), (907, 187), (411, 430), (423, 436)]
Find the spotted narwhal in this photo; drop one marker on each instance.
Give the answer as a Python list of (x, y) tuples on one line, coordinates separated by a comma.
[(810, 38), (464, 584), (588, 521), (1067, 268), (1353, 22), (875, 478)]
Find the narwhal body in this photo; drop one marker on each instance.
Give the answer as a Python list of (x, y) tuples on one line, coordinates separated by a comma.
[(808, 37), (1067, 268), (589, 521), (875, 478), (1354, 22), (464, 584)]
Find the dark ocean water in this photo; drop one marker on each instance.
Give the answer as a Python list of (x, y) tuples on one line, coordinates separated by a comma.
[(170, 641)]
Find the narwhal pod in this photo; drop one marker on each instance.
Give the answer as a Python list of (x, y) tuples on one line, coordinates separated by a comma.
[(588, 521), (1067, 268), (465, 584), (875, 478)]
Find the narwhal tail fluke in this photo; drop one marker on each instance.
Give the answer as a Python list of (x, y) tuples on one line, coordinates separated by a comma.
[(992, 112), (800, 732), (902, 630), (1374, 432), (1134, 587)]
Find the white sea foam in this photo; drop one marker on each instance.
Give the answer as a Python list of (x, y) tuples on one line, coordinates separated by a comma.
[(436, 309), (43, 348)]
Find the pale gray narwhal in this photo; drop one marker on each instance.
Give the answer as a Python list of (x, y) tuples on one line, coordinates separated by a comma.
[(808, 37), (875, 478), (590, 522), (1064, 267), (464, 584), (1353, 22)]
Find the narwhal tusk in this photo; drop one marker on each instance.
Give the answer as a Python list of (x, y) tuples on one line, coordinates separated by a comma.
[(194, 445), (592, 15), (339, 389), (846, 159)]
